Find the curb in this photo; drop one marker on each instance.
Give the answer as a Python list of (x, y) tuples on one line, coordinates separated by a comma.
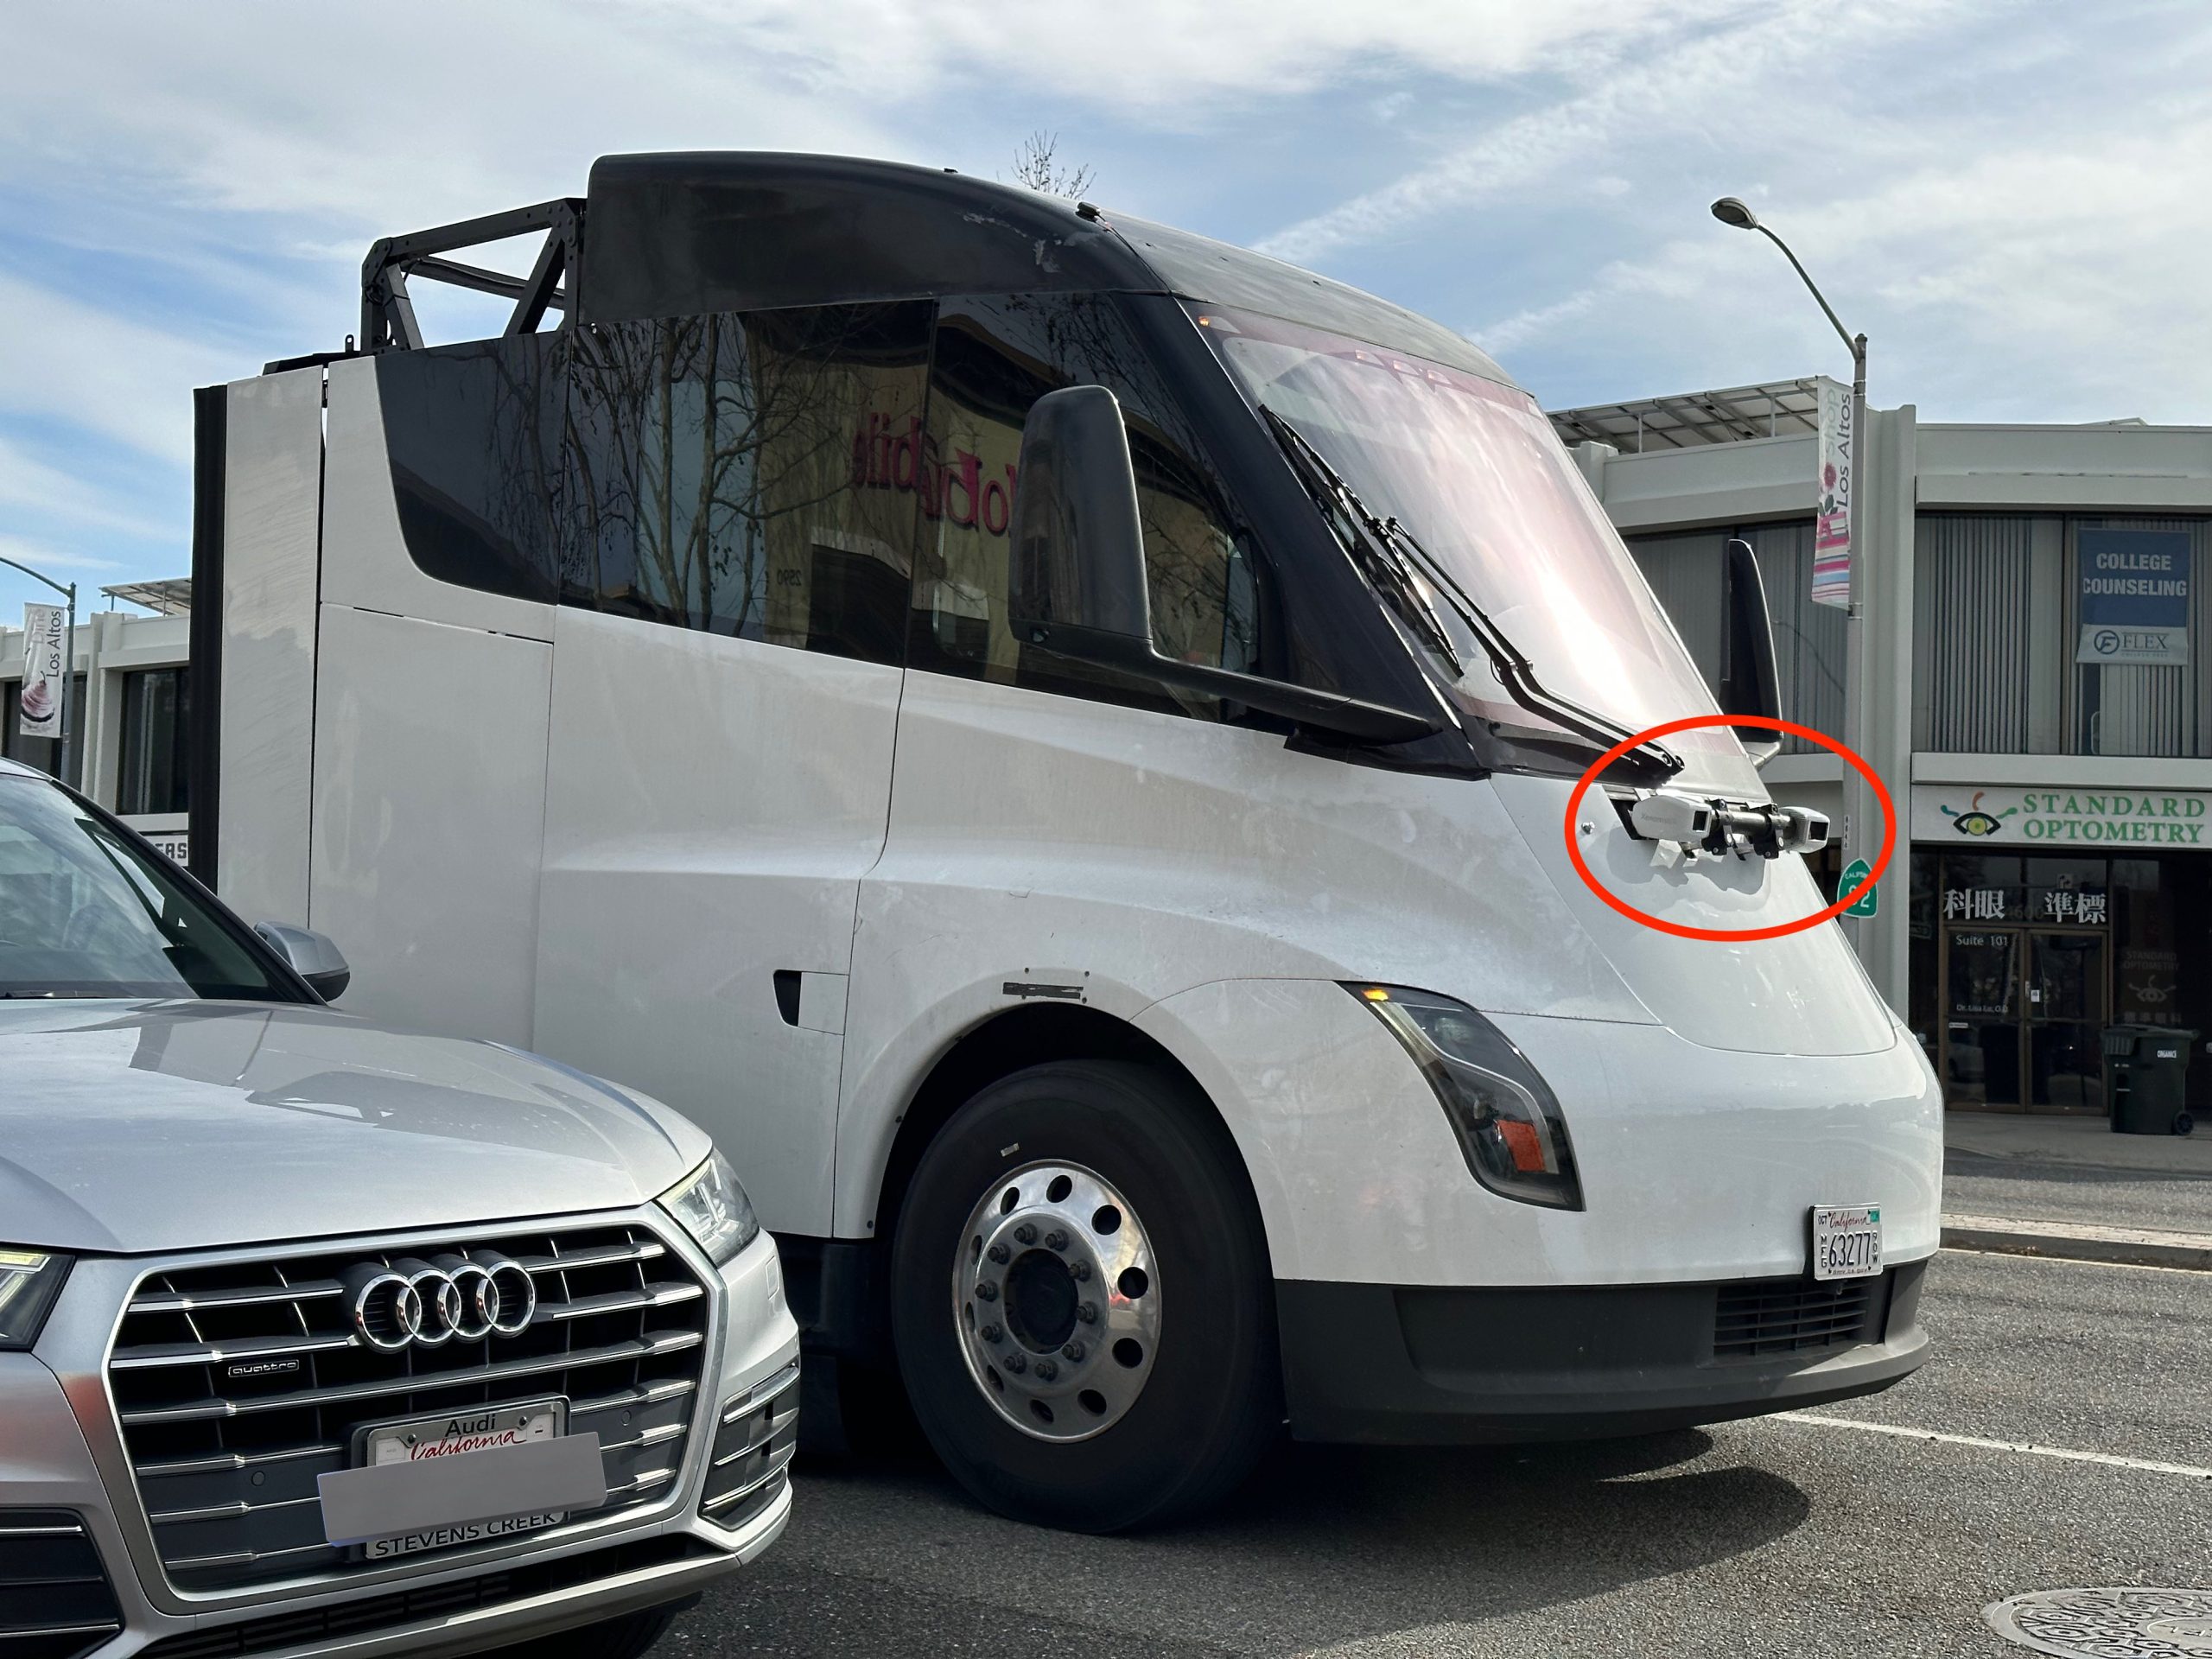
[(2134, 1247)]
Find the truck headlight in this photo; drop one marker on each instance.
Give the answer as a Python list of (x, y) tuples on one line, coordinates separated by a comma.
[(711, 1203), (1507, 1121), (29, 1280)]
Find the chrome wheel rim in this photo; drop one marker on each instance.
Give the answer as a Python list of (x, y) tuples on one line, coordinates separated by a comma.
[(1056, 1302)]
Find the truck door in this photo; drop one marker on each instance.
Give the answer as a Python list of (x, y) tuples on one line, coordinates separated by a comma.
[(724, 699)]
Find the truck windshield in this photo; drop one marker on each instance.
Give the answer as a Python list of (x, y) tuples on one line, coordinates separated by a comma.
[(1472, 469), (84, 913)]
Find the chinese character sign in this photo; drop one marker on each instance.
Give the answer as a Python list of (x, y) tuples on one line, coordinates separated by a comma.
[(1832, 493), (1973, 904)]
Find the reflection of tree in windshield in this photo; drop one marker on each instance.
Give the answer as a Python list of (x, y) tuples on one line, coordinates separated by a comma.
[(712, 456)]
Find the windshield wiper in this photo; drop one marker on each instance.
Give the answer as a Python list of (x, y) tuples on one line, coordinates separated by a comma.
[(1411, 567)]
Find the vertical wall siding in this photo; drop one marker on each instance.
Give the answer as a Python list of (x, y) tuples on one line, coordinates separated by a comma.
[(1685, 571), (1809, 638), (2143, 711), (1971, 602)]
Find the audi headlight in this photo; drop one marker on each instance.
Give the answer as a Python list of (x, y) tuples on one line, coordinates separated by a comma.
[(29, 1280), (712, 1206), (1507, 1121)]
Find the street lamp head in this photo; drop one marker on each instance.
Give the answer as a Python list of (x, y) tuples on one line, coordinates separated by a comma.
[(1729, 210)]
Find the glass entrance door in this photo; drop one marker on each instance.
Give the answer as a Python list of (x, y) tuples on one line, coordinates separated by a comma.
[(1982, 1016), (2066, 1019), (2025, 1012)]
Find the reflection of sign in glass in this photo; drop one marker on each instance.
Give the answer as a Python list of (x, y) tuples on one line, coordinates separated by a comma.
[(1973, 904), (2133, 595), (2149, 979)]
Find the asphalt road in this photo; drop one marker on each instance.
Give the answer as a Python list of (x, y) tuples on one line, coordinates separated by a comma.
[(1772, 1538)]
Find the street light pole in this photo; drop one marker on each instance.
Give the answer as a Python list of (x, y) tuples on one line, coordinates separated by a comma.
[(1858, 804), (68, 656)]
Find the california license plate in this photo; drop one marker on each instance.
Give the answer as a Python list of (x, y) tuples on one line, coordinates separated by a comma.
[(1846, 1241), (424, 1441)]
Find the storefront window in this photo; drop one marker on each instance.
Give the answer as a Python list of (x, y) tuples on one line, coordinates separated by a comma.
[(2020, 962), (156, 708)]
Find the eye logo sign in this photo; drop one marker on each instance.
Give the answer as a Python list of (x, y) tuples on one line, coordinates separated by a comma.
[(1975, 821)]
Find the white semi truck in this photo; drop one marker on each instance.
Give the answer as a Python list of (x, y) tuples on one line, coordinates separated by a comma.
[(1050, 736)]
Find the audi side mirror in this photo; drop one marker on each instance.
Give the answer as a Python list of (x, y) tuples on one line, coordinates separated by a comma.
[(1076, 579), (1749, 684), (311, 956)]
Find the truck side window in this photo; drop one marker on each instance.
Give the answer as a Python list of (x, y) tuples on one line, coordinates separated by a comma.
[(718, 473), (707, 473), (994, 358), (474, 435)]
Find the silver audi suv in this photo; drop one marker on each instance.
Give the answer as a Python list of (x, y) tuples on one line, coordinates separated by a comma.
[(321, 1337)]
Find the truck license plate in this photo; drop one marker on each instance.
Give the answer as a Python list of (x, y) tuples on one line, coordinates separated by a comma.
[(1846, 1241)]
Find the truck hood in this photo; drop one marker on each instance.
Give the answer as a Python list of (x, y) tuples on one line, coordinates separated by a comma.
[(1803, 994), (133, 1127)]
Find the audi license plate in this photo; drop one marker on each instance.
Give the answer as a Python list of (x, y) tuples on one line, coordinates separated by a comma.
[(427, 1483), (1846, 1241)]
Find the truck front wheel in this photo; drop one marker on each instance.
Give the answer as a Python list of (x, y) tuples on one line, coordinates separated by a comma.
[(1082, 1303)]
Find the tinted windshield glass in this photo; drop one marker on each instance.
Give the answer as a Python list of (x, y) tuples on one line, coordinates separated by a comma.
[(1472, 469), (83, 913)]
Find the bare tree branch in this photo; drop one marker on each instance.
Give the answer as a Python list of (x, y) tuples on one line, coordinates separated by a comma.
[(1035, 164)]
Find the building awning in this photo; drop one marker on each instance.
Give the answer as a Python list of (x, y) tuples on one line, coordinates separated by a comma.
[(1780, 408)]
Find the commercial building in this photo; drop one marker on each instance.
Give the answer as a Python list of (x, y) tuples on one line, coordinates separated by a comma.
[(130, 691), (2047, 632)]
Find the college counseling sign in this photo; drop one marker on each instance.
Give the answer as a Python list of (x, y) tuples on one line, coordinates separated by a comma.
[(2111, 819), (2133, 595)]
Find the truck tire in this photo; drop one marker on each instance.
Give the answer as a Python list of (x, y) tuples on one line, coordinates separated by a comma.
[(1081, 1301)]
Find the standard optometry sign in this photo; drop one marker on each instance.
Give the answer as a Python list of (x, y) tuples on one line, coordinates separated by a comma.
[(2133, 595), (2174, 819)]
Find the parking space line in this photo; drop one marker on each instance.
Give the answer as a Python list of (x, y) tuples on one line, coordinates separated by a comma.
[(2063, 1453)]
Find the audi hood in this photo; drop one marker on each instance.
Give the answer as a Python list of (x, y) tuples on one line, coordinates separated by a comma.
[(129, 1126)]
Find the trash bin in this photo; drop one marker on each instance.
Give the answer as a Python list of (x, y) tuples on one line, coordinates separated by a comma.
[(2146, 1078)]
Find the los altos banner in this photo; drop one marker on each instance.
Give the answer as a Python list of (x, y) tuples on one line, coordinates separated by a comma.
[(45, 645), (1832, 497), (2132, 596)]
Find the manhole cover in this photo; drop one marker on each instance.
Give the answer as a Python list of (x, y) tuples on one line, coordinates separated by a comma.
[(2118, 1623)]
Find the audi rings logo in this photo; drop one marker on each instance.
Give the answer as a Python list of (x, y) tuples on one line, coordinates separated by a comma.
[(415, 1304)]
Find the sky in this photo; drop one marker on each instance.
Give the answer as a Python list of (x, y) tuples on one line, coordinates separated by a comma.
[(2013, 200)]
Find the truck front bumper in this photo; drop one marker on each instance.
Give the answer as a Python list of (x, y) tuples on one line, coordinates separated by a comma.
[(1390, 1365)]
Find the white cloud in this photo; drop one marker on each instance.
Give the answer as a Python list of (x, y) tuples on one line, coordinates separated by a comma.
[(1618, 104), (68, 361), (40, 556), (37, 489)]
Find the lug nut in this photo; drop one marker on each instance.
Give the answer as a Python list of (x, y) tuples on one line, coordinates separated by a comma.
[(1087, 1312), (1073, 1352), (1025, 1233), (1056, 1240), (991, 1334), (986, 1290), (1046, 1370), (999, 1253), (1016, 1364), (1081, 1271)]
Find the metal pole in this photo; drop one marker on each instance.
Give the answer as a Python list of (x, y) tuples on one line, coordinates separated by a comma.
[(69, 677), (1859, 842)]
